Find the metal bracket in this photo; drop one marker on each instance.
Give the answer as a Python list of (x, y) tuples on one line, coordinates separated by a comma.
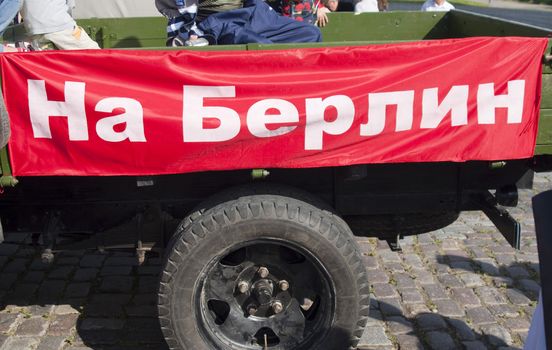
[(395, 243), (504, 222)]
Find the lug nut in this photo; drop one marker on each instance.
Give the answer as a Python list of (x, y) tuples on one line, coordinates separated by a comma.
[(284, 285), (252, 310), (243, 287), (263, 272), (277, 307)]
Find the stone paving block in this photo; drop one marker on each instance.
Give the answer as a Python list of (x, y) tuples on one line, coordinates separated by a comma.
[(488, 266), (530, 286), (370, 262), (399, 325), (410, 342), (384, 290), (77, 290), (51, 290), (34, 326), (109, 270), (440, 341), (411, 296), (121, 261), (480, 316), (65, 309), (91, 324), (504, 310), (51, 343), (148, 284), (99, 338), (412, 310), (20, 343), (517, 297), (391, 307), (16, 266), (465, 297), (7, 280), (145, 299), (474, 345), (61, 273), (34, 276), (394, 266), (471, 280), (423, 277), (478, 252), (502, 281), (448, 308), (374, 336), (95, 260), (450, 281), (461, 328), (413, 261), (377, 276), (375, 318), (38, 265), (8, 322), (25, 290), (517, 324), (71, 260), (40, 310), (110, 298), (117, 284), (505, 259), (430, 321), (435, 292), (85, 274), (141, 310), (490, 296), (105, 310), (62, 325), (517, 272), (404, 281), (7, 249), (496, 335), (154, 270)]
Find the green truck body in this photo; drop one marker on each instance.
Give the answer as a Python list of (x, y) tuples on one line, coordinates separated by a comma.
[(372, 200)]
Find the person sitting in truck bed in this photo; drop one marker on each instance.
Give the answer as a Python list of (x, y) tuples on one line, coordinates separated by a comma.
[(8, 10), (202, 22), (437, 5), (51, 21)]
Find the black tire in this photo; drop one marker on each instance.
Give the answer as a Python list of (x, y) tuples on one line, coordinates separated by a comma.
[(274, 220), (4, 123)]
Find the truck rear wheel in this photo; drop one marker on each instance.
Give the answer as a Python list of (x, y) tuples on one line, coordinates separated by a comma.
[(264, 270)]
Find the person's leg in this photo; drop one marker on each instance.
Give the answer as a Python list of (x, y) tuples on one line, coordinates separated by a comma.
[(70, 39), (8, 10)]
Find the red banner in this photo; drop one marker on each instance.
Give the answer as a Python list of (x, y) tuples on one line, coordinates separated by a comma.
[(116, 112)]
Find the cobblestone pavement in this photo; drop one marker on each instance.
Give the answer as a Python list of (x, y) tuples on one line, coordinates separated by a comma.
[(459, 287)]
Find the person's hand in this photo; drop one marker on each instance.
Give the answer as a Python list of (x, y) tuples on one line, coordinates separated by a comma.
[(193, 37), (321, 17)]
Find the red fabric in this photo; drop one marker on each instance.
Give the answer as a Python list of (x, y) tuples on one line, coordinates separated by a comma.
[(156, 78)]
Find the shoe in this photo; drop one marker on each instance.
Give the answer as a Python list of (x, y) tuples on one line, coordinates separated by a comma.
[(197, 42)]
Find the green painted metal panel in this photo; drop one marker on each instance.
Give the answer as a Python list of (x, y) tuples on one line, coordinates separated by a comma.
[(548, 67), (545, 128), (466, 24), (127, 32), (546, 102), (381, 26)]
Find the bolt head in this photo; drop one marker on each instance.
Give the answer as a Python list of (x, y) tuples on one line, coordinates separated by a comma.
[(277, 307), (252, 310), (263, 272), (284, 285), (243, 287)]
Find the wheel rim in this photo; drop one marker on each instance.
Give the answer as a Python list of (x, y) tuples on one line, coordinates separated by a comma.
[(265, 293)]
